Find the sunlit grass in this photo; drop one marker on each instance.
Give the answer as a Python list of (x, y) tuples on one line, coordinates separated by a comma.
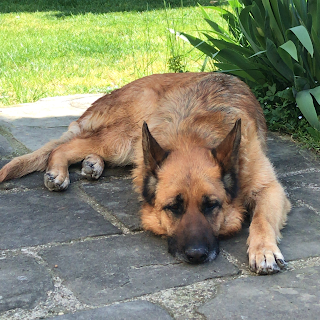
[(48, 53)]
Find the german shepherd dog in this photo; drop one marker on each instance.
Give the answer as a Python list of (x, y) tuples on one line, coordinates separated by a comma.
[(198, 143)]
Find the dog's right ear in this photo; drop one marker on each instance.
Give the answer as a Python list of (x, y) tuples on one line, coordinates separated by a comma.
[(153, 154)]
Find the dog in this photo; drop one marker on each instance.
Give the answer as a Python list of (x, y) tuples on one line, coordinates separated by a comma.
[(198, 145)]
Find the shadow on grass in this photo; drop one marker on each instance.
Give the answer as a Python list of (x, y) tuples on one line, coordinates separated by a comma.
[(74, 7)]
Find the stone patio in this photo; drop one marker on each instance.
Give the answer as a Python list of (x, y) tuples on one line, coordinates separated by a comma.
[(80, 254)]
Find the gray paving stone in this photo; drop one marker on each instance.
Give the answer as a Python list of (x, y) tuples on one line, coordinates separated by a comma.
[(123, 267), (37, 123), (30, 181), (304, 187), (23, 283), (301, 237), (289, 295), (118, 197), (5, 148), (135, 310), (117, 172), (37, 137), (37, 217), (286, 156), (237, 245)]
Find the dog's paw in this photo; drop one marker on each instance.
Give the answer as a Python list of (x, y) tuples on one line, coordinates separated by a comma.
[(265, 259), (92, 167), (55, 182)]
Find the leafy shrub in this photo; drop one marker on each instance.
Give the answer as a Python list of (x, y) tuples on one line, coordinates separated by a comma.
[(270, 44)]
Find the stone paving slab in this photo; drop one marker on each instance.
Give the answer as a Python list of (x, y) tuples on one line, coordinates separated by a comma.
[(38, 217), (286, 156), (34, 124), (118, 197), (117, 172), (123, 267), (23, 283), (304, 187), (5, 147), (301, 237), (288, 295), (135, 310)]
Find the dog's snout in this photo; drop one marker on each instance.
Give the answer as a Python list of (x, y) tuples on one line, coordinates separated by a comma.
[(197, 254)]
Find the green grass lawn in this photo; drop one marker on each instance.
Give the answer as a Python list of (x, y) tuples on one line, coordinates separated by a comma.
[(62, 47)]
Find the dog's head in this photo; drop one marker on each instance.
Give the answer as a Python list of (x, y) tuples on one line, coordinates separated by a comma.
[(190, 194)]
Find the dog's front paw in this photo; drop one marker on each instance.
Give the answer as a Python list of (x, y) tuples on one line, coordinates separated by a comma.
[(92, 167), (56, 182), (265, 259)]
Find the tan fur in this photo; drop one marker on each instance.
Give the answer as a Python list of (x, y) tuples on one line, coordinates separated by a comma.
[(190, 157)]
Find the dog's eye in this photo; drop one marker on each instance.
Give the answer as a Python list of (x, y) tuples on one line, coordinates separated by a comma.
[(208, 206), (177, 207)]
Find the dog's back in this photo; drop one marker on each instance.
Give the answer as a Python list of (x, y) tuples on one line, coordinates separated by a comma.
[(207, 107)]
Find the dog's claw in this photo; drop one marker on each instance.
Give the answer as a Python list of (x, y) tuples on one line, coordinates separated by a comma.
[(266, 261), (264, 269), (281, 263), (53, 183)]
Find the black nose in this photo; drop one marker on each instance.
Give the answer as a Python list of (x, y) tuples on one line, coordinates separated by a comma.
[(196, 255)]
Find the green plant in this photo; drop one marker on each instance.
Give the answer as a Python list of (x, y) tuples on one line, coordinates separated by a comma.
[(175, 64), (273, 42)]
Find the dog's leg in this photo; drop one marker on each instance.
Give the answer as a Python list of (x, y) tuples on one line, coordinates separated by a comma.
[(269, 216), (56, 177), (92, 167)]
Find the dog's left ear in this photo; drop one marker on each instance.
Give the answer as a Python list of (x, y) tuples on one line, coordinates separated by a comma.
[(227, 154), (153, 154)]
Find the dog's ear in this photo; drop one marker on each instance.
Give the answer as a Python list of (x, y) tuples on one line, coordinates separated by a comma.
[(227, 154), (153, 154)]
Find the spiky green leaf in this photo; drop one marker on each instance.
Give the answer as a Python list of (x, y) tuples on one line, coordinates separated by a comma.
[(277, 61), (200, 45), (290, 47), (273, 22), (316, 93), (305, 103), (302, 34)]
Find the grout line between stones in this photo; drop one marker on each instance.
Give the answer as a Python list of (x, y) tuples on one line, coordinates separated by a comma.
[(178, 301), (102, 210), (301, 203), (294, 173)]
